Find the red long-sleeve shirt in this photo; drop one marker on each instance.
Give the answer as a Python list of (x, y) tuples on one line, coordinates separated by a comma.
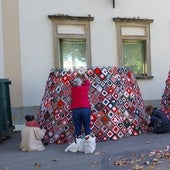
[(79, 96)]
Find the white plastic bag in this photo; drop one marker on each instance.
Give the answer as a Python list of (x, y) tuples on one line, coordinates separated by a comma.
[(89, 145), (80, 142), (73, 147)]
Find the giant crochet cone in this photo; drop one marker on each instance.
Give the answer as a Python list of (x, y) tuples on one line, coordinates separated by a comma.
[(165, 107), (116, 103)]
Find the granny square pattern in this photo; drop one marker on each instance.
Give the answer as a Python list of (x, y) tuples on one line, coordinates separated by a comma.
[(165, 107), (117, 105)]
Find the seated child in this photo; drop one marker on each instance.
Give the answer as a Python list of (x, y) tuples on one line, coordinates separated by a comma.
[(32, 135), (158, 121)]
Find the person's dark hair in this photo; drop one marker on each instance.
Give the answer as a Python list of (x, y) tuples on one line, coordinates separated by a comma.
[(149, 109), (29, 117)]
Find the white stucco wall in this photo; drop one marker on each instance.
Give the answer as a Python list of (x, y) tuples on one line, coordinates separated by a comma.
[(160, 40), (37, 44), (1, 45)]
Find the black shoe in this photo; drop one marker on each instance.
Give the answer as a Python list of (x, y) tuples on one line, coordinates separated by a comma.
[(45, 143)]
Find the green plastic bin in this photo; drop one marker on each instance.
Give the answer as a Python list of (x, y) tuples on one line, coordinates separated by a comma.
[(5, 110)]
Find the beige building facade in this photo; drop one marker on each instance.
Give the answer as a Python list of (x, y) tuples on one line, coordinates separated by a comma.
[(28, 44)]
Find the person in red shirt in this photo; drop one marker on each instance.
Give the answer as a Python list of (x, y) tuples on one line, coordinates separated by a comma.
[(80, 105)]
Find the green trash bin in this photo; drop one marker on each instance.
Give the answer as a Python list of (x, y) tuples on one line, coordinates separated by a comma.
[(5, 110)]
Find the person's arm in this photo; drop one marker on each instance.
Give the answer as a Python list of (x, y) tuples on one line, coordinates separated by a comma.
[(158, 113), (85, 79), (39, 133)]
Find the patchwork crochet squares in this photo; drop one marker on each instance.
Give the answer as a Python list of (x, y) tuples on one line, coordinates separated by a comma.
[(165, 106), (116, 103)]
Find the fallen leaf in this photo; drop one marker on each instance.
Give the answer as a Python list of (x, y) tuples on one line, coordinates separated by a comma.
[(98, 153), (147, 163), (151, 167), (137, 167), (121, 162), (55, 159), (166, 149), (133, 154), (148, 142), (37, 165), (95, 162), (151, 153), (143, 155), (155, 160)]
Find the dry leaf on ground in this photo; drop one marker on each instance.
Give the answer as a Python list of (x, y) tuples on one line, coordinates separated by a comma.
[(37, 165)]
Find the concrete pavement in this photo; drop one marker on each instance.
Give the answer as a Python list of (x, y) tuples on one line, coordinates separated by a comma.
[(124, 154)]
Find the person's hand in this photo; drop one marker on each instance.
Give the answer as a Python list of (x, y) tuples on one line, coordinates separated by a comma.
[(85, 76)]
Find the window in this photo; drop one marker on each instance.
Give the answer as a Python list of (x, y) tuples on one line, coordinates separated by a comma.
[(134, 55), (71, 41), (73, 53), (133, 37)]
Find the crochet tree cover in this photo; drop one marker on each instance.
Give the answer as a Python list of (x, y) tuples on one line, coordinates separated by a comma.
[(165, 107), (117, 105)]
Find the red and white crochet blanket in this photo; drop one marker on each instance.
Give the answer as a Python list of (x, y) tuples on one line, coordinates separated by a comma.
[(165, 107), (116, 102)]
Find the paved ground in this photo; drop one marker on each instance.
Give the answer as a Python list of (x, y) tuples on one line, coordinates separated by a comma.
[(124, 154)]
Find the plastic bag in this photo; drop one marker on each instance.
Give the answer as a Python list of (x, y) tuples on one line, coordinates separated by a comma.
[(73, 147), (89, 145), (80, 142)]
